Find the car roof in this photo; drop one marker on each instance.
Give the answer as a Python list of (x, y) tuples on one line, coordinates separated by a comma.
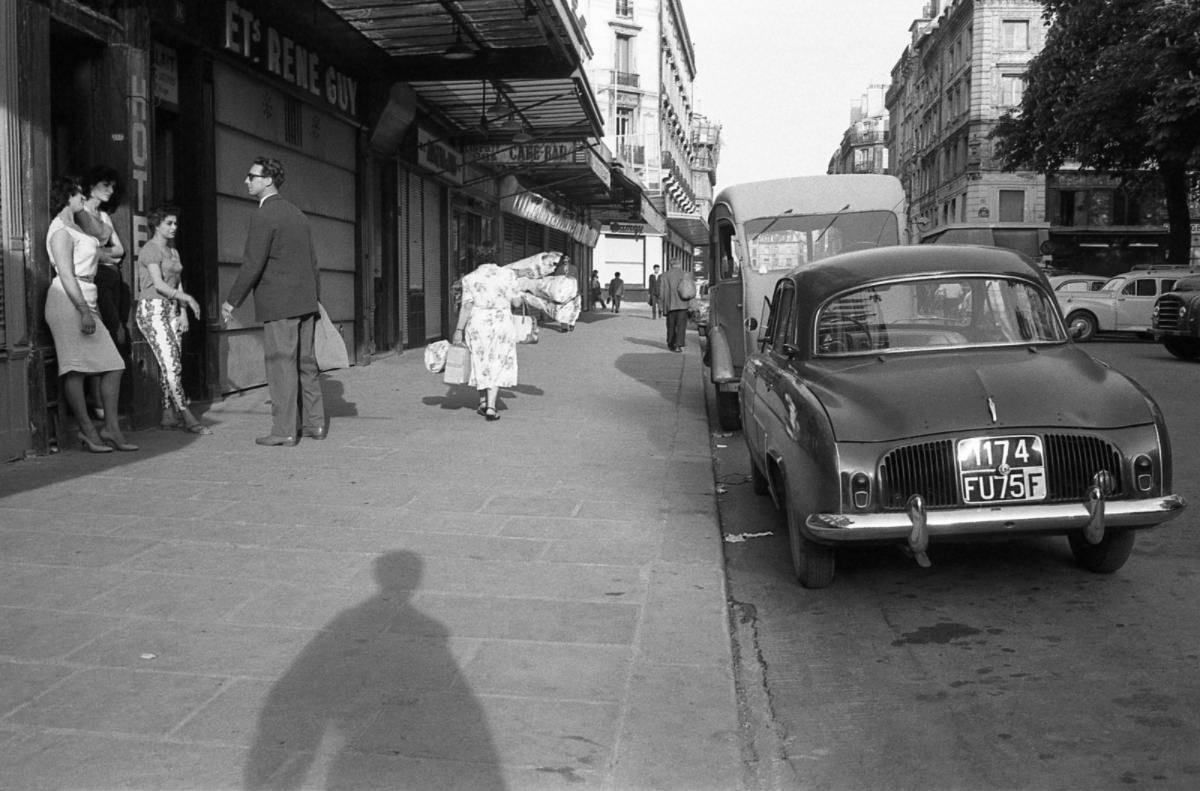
[(1059, 278), (1159, 272), (840, 272), (808, 194)]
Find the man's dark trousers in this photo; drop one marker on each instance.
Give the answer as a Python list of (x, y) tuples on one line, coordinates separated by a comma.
[(676, 328), (292, 373)]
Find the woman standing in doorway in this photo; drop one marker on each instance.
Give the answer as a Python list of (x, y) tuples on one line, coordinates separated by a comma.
[(73, 316), (112, 295), (162, 315), (486, 324)]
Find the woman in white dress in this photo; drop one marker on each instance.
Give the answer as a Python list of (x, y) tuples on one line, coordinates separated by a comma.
[(112, 295), (73, 317), (489, 293)]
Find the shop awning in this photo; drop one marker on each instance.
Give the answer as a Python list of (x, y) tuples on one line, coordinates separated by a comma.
[(526, 110), (497, 69), (470, 39)]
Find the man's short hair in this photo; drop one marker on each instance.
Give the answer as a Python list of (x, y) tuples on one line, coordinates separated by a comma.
[(272, 169)]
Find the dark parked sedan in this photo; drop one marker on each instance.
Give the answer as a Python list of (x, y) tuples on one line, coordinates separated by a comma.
[(910, 395)]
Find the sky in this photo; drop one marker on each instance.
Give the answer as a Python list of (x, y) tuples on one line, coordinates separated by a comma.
[(780, 76)]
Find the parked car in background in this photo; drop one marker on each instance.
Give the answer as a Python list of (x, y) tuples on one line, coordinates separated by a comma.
[(914, 395), (1176, 319), (1030, 239), (1124, 303), (1076, 281)]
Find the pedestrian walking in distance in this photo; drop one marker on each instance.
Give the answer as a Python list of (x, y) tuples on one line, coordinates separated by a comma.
[(280, 266), (652, 291), (616, 290), (674, 289)]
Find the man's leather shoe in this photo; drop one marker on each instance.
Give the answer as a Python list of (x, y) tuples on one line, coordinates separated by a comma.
[(320, 432), (275, 439)]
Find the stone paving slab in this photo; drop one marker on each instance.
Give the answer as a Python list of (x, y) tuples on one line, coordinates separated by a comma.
[(425, 600)]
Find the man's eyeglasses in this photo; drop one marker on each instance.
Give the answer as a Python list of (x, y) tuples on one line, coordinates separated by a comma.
[(253, 176)]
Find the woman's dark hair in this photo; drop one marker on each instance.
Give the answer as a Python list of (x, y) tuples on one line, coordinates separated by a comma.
[(62, 190), (100, 174), (486, 253), (160, 213)]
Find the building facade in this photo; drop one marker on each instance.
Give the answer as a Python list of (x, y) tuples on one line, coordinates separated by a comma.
[(643, 71), (864, 143), (408, 150), (963, 68)]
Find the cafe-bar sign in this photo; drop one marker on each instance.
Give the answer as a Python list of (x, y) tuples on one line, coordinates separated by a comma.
[(260, 43), (540, 154)]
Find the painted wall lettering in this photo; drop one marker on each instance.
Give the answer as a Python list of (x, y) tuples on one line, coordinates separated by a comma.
[(275, 53)]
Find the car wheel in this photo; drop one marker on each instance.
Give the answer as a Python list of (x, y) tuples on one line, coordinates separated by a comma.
[(728, 411), (758, 480), (1082, 326), (1107, 556), (812, 562), (1183, 348)]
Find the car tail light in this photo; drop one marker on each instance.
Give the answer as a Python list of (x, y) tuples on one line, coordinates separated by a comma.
[(1143, 478), (860, 490)]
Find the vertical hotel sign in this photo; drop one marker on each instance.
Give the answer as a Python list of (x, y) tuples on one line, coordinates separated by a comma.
[(139, 143)]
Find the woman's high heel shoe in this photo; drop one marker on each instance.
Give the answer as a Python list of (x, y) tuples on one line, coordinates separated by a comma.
[(115, 445), (92, 447)]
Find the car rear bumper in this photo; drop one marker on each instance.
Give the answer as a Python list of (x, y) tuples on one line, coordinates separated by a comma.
[(1056, 518)]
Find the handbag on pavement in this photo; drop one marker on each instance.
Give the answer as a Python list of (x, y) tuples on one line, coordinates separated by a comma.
[(458, 365), (328, 345), (525, 327)]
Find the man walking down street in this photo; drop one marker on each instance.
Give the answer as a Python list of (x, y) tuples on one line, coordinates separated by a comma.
[(616, 292), (280, 266), (652, 290), (673, 288)]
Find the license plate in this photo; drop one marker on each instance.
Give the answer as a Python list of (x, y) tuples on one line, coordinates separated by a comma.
[(1001, 469)]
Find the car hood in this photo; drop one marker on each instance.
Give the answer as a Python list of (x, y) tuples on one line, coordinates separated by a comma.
[(902, 396)]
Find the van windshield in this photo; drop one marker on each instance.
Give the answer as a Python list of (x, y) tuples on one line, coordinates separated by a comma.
[(787, 241)]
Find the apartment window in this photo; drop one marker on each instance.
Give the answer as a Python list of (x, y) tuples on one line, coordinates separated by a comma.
[(625, 8), (624, 54), (1012, 206), (1012, 88), (1014, 34)]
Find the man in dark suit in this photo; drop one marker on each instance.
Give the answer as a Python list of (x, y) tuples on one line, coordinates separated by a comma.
[(280, 266), (652, 288)]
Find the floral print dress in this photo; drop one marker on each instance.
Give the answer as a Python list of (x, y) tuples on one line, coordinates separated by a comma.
[(488, 292)]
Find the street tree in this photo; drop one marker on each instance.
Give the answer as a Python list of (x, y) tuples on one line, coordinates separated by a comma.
[(1116, 89)]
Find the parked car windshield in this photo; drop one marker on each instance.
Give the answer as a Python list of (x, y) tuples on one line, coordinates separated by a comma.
[(942, 313), (787, 241)]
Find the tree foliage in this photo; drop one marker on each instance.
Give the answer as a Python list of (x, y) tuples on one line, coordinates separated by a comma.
[(1117, 89)]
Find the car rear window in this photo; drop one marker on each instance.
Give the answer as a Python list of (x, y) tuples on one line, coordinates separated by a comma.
[(937, 313)]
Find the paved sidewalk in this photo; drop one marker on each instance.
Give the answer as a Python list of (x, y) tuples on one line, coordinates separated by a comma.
[(425, 600)]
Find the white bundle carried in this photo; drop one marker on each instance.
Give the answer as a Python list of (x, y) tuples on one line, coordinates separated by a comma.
[(536, 265), (435, 356), (562, 312)]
